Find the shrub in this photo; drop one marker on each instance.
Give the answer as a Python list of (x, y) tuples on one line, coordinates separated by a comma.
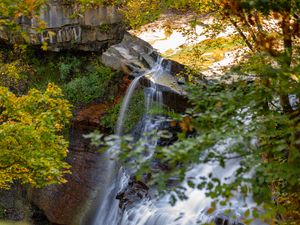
[(55, 68), (92, 86), (69, 67)]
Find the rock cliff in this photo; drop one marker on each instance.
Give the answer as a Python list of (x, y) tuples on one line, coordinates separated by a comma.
[(94, 30)]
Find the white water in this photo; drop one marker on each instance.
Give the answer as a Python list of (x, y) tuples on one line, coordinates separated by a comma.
[(159, 211), (192, 211), (155, 72), (108, 208)]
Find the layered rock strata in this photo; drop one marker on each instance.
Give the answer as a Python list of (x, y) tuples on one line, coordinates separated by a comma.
[(94, 30)]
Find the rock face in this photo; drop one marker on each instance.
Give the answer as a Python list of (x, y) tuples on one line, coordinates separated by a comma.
[(70, 203), (95, 30), (12, 204), (65, 204)]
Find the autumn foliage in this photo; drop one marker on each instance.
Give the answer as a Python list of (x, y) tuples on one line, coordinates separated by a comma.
[(31, 142)]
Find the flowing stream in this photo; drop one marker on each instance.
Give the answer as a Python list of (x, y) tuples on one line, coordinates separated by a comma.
[(155, 211)]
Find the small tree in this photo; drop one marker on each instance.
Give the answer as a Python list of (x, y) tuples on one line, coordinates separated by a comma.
[(31, 142)]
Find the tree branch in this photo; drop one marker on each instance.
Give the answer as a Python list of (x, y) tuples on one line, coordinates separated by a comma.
[(242, 34)]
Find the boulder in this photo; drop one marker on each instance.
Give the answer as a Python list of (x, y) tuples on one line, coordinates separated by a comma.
[(132, 56), (132, 194)]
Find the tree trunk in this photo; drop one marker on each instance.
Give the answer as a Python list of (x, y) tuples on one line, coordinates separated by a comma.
[(288, 42), (242, 34), (253, 36), (287, 56), (285, 104)]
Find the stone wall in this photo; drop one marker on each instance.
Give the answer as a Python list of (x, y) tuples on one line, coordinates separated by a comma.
[(94, 30)]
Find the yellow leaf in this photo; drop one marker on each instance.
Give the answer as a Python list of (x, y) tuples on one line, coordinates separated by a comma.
[(210, 210)]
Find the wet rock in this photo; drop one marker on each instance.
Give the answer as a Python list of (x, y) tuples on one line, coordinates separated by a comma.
[(179, 103), (170, 127), (173, 98), (134, 57), (132, 194), (171, 131), (173, 66), (165, 82), (224, 220)]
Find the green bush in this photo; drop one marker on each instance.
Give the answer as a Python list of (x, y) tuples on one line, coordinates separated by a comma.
[(54, 68), (2, 212), (94, 85), (69, 67), (82, 78)]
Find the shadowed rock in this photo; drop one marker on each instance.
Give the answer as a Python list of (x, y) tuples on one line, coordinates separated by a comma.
[(132, 194), (65, 204), (224, 220)]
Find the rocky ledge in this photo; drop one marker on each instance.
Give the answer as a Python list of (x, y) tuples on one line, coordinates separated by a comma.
[(135, 57)]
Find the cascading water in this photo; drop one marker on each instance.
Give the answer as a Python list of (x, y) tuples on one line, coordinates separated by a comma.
[(191, 211), (125, 105), (108, 209)]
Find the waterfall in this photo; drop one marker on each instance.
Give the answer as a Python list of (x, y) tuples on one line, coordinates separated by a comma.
[(108, 208), (125, 104), (155, 211)]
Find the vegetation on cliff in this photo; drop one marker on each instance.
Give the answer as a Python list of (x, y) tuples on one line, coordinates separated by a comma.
[(37, 90), (135, 113)]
